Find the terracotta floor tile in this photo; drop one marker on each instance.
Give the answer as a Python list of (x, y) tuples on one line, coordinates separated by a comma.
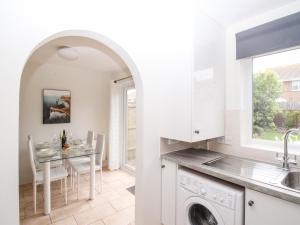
[(28, 211), (94, 214), (113, 204), (123, 202), (99, 200), (99, 222), (69, 210), (67, 221), (37, 220), (123, 217), (111, 195)]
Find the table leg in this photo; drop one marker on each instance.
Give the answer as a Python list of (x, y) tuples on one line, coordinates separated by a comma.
[(92, 176), (47, 189)]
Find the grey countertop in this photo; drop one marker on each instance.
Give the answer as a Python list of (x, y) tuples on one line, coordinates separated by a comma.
[(259, 176)]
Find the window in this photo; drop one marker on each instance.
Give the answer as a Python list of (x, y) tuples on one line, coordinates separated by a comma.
[(276, 95), (296, 85)]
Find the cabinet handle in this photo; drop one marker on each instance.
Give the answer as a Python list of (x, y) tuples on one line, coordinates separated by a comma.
[(197, 132), (163, 166), (251, 203)]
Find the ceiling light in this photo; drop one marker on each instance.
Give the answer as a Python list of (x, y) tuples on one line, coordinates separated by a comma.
[(68, 53)]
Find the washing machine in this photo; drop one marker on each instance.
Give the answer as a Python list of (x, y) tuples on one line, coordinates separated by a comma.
[(203, 200)]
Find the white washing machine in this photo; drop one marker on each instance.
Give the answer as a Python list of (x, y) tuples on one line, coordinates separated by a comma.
[(203, 200)]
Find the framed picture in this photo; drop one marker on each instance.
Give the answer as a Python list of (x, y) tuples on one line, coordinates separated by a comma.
[(56, 106)]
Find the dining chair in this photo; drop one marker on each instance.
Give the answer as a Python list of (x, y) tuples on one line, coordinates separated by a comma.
[(84, 167), (52, 164), (90, 137), (56, 173), (89, 141), (55, 163)]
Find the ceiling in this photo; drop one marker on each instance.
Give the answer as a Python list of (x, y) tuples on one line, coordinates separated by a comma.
[(95, 56), (229, 12), (91, 55)]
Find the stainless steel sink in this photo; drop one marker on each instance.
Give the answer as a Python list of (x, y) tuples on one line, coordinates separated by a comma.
[(259, 171), (254, 170), (292, 180)]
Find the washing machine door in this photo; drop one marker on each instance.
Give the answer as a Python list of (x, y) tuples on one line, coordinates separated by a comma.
[(200, 212)]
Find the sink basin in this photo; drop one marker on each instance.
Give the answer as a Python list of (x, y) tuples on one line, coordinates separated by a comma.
[(292, 180)]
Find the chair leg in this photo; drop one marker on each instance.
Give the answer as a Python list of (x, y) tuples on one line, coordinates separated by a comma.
[(66, 190), (61, 184), (71, 177), (78, 184), (65, 164), (34, 197), (100, 181)]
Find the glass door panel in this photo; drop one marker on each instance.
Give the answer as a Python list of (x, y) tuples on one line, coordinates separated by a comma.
[(130, 128)]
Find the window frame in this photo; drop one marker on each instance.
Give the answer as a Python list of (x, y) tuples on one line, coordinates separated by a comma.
[(246, 117), (124, 149), (297, 86)]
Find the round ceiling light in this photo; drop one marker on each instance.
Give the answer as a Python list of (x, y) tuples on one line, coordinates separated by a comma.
[(68, 53)]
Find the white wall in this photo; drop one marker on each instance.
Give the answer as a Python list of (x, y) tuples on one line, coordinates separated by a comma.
[(90, 96), (235, 89), (149, 36)]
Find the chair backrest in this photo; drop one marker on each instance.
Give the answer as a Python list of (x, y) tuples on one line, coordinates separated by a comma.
[(89, 138), (31, 155), (100, 146)]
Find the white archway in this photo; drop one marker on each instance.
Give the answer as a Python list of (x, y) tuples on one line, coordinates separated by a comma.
[(127, 60), (103, 40)]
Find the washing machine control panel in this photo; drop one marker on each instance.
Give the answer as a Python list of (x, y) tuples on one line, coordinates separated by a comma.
[(207, 188)]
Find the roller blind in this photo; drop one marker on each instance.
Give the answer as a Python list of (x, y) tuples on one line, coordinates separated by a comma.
[(272, 36)]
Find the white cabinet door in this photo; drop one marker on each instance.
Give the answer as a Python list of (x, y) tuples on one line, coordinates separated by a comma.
[(192, 95), (208, 80), (168, 204), (262, 209)]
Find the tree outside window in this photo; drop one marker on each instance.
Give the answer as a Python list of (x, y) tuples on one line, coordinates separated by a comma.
[(276, 103)]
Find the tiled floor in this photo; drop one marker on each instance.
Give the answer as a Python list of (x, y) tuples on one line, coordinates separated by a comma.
[(114, 206), (131, 164)]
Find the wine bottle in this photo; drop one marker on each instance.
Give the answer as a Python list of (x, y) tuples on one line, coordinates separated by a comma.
[(63, 139)]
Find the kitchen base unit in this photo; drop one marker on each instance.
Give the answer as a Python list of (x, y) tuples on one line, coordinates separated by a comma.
[(262, 209), (204, 200)]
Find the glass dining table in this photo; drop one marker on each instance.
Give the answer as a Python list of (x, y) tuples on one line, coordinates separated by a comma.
[(56, 153)]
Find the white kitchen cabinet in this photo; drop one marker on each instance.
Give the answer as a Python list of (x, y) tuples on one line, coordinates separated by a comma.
[(208, 80), (263, 209), (168, 198), (193, 99)]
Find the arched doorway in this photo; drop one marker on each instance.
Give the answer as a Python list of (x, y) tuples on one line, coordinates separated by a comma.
[(111, 49)]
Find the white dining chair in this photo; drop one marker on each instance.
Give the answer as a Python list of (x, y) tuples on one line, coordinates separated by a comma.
[(89, 141), (56, 173), (84, 167), (52, 164), (90, 137)]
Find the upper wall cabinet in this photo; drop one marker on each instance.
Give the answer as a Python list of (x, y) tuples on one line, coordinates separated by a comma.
[(193, 100), (208, 80)]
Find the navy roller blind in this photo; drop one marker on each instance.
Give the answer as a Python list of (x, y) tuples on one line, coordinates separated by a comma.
[(272, 36)]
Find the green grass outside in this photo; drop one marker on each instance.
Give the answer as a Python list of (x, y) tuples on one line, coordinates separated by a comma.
[(273, 135)]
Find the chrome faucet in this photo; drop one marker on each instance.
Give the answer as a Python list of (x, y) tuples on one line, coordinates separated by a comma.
[(285, 158)]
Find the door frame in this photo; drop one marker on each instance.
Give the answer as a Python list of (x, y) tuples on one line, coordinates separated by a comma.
[(123, 149)]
